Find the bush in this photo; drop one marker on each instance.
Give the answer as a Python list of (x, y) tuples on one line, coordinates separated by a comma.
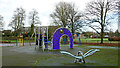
[(114, 39), (110, 39)]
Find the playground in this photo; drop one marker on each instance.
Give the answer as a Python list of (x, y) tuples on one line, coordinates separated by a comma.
[(28, 56), (48, 53)]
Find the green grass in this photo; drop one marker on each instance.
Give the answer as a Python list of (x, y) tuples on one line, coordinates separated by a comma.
[(10, 40), (95, 40), (87, 40), (105, 39), (14, 41)]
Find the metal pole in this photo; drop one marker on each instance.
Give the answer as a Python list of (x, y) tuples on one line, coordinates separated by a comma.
[(16, 41), (43, 38), (38, 36), (35, 36), (23, 41), (47, 32)]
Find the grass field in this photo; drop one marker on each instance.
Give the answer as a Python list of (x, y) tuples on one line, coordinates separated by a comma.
[(95, 40), (14, 41), (87, 40)]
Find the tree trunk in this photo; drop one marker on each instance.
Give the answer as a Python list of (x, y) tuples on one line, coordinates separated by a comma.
[(72, 30), (102, 32), (65, 37)]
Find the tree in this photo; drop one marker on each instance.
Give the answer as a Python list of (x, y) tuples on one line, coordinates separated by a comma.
[(117, 34), (74, 18), (34, 19), (111, 33), (18, 20), (76, 27), (1, 21), (97, 15), (31, 29), (66, 14), (119, 17), (87, 34), (60, 15)]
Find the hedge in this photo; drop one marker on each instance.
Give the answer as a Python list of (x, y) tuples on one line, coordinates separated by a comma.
[(114, 38)]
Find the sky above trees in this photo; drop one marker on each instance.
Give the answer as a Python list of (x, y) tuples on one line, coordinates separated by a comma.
[(44, 8)]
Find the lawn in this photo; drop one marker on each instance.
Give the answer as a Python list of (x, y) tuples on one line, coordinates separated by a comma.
[(87, 40), (14, 41), (95, 40)]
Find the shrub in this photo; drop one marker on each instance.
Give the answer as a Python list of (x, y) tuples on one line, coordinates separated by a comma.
[(110, 39), (114, 39)]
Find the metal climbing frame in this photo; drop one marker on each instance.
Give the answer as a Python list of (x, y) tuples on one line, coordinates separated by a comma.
[(41, 36)]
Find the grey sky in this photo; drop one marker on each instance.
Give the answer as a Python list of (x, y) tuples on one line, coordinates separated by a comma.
[(44, 7)]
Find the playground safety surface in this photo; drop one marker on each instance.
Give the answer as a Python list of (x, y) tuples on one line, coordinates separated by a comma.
[(28, 56)]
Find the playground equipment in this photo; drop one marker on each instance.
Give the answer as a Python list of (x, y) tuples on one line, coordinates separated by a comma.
[(81, 59), (79, 39), (20, 41), (41, 36), (77, 36), (58, 34)]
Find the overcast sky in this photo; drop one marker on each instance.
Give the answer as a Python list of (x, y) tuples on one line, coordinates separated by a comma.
[(44, 8)]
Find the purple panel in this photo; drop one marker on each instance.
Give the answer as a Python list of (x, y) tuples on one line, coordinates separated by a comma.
[(57, 35)]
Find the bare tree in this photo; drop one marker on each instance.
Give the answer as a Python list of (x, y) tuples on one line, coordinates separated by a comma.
[(118, 16), (60, 15), (66, 15), (98, 13), (18, 20), (1, 21), (34, 19), (74, 18)]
